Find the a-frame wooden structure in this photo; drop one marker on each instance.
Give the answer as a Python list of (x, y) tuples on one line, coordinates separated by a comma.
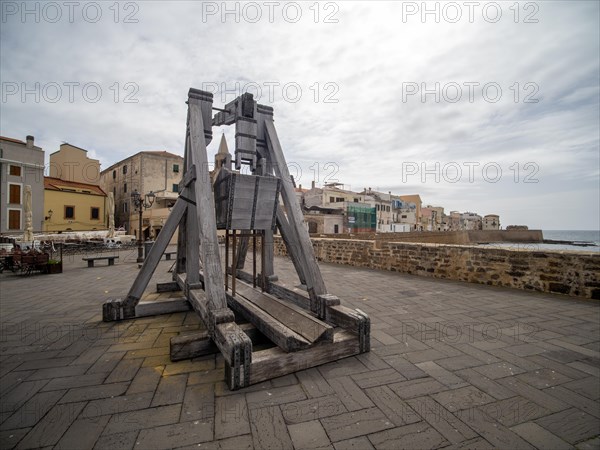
[(308, 330)]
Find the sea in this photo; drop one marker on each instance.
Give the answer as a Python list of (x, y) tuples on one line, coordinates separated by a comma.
[(575, 236)]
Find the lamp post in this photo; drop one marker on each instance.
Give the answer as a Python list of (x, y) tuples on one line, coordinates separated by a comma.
[(141, 203)]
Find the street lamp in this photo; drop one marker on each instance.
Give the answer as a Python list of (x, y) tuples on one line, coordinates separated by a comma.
[(141, 203)]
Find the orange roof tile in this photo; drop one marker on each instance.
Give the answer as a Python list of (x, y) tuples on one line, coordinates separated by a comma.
[(56, 184)]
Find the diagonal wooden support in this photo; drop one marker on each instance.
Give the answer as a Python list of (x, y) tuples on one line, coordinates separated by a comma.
[(114, 310), (314, 280)]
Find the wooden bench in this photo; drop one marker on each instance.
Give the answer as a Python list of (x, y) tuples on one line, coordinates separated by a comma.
[(91, 260), (168, 255)]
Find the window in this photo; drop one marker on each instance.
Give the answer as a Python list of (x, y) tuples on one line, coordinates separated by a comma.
[(95, 213), (175, 187), (125, 207), (339, 199), (176, 168), (69, 212), (114, 191), (124, 187), (14, 195), (14, 219), (331, 199), (124, 169), (15, 171), (377, 207), (114, 174)]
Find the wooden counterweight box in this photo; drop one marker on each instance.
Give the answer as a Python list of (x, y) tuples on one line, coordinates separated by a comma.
[(245, 202)]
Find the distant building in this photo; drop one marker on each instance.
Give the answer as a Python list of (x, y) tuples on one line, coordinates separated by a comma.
[(383, 208), (470, 221), (491, 222), (156, 171), (359, 215), (73, 206), (416, 200), (21, 164), (71, 163)]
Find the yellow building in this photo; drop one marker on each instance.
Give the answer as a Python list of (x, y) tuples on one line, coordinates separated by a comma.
[(73, 206), (71, 163)]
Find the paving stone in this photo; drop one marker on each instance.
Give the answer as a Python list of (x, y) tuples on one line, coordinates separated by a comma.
[(499, 370), (313, 383), (539, 437), (483, 356), (350, 394), (124, 440), (268, 429), (83, 433), (45, 363), (116, 405), (359, 443), (94, 392), (564, 369), (579, 401), (543, 378), (170, 390), (355, 423), (10, 438), (308, 435), (275, 396), (462, 398), (32, 411), (106, 363), (52, 426), (535, 395), (417, 435), (145, 418), (515, 410), (497, 434), (417, 388), (176, 435), (399, 412), (231, 416), (14, 399), (377, 378), (404, 367), (125, 370), (593, 370), (235, 443), (442, 375), (206, 376), (312, 409), (458, 362), (198, 403), (486, 385), (146, 380), (590, 444), (588, 387), (56, 372), (571, 425)]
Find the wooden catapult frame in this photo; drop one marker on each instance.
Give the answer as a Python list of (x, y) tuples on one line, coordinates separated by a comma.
[(307, 330)]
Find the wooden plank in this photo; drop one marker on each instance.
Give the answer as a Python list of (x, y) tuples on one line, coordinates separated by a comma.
[(293, 317), (312, 273), (278, 333), (194, 345), (205, 208), (153, 258), (296, 297), (144, 309), (192, 248), (169, 286), (274, 362)]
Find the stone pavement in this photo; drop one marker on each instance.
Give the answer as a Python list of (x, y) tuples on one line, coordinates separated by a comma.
[(453, 365)]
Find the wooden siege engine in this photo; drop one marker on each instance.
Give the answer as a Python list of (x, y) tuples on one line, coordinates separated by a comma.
[(306, 329)]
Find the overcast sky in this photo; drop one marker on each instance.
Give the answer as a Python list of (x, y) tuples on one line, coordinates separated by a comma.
[(490, 107)]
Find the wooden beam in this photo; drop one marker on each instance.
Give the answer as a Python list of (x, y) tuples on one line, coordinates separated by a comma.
[(274, 362), (152, 259), (194, 345), (144, 309), (277, 332), (314, 280), (292, 244), (205, 207), (292, 316)]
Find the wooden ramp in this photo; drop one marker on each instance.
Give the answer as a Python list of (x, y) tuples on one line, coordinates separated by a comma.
[(262, 329)]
